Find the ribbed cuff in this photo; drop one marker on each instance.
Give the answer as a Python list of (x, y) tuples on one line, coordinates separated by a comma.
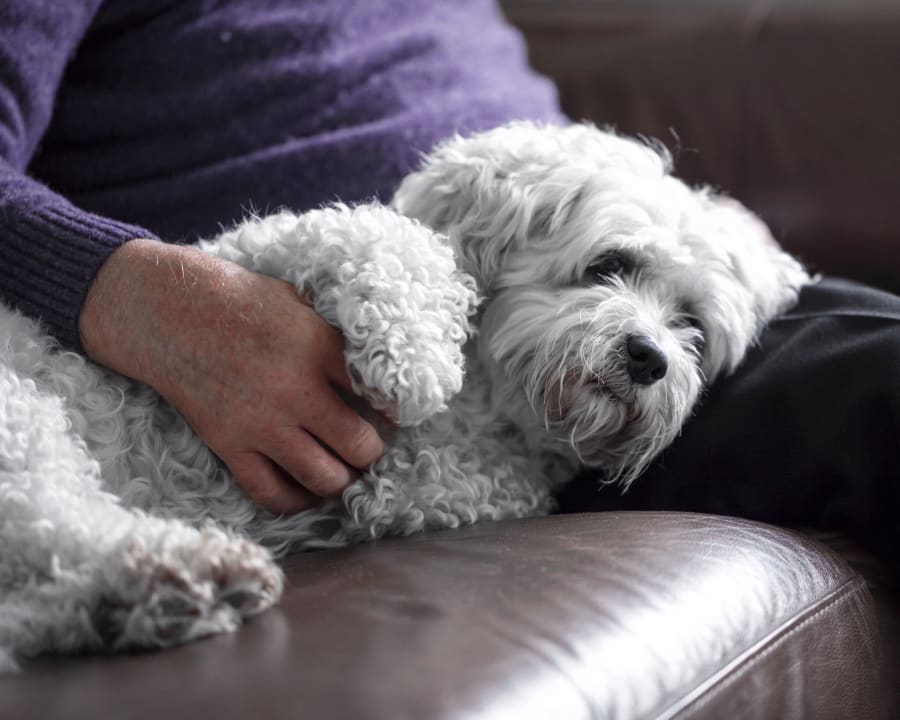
[(50, 255)]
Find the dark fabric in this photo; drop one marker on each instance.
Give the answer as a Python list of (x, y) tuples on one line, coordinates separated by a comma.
[(806, 432), (175, 118)]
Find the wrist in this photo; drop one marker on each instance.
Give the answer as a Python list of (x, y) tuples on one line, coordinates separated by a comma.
[(124, 316)]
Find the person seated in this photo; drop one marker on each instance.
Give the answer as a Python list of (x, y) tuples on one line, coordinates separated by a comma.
[(130, 128)]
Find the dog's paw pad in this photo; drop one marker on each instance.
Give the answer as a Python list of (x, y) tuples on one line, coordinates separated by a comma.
[(246, 578), (181, 588)]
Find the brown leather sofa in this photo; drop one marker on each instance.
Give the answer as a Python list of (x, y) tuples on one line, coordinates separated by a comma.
[(612, 615), (618, 614)]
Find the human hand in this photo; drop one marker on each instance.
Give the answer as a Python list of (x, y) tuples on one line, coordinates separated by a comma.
[(248, 364)]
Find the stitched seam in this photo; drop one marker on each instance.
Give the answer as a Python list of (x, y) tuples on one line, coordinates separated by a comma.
[(774, 641), (857, 314)]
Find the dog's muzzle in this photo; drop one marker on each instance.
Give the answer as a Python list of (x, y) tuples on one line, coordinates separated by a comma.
[(646, 360)]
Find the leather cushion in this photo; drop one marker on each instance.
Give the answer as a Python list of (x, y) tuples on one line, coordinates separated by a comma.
[(622, 615)]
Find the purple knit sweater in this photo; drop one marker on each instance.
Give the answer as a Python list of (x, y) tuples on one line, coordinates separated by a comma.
[(173, 118)]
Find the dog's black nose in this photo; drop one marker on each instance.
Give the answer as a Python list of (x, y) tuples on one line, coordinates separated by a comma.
[(647, 362)]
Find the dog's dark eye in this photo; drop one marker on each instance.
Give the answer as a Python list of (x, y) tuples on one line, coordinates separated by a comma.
[(605, 267), (686, 320)]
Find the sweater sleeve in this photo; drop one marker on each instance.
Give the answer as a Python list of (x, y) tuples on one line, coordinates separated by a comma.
[(50, 250)]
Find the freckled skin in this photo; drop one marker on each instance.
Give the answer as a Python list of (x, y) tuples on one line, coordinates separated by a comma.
[(249, 365)]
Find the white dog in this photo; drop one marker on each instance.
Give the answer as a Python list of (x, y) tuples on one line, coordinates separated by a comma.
[(605, 292)]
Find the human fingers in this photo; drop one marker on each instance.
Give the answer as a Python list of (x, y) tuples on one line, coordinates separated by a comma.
[(342, 429), (268, 485), (309, 463)]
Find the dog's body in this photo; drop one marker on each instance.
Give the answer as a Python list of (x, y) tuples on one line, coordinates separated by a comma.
[(605, 293)]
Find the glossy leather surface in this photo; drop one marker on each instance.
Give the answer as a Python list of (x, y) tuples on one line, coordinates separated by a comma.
[(619, 615)]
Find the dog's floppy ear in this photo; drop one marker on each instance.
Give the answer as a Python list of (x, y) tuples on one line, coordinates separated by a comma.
[(772, 276), (488, 199), (748, 279)]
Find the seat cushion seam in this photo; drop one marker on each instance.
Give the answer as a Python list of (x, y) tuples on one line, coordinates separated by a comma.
[(876, 315), (752, 656)]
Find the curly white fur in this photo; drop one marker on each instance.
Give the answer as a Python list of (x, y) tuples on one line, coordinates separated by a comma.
[(119, 528)]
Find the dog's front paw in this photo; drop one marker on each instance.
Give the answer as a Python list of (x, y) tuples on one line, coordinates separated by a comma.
[(404, 310), (389, 283), (404, 352), (183, 585)]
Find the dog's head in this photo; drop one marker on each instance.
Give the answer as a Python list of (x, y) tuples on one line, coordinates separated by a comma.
[(613, 291)]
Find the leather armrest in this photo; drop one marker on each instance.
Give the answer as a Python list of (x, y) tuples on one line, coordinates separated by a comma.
[(790, 105), (626, 615)]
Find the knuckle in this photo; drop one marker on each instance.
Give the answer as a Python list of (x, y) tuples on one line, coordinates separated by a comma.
[(243, 475), (326, 477), (363, 444), (264, 494), (279, 499), (262, 490)]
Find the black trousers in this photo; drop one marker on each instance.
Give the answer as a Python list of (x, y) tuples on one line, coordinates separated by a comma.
[(805, 432)]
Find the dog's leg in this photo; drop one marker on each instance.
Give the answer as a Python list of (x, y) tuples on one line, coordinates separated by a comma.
[(460, 467), (77, 569), (388, 283)]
